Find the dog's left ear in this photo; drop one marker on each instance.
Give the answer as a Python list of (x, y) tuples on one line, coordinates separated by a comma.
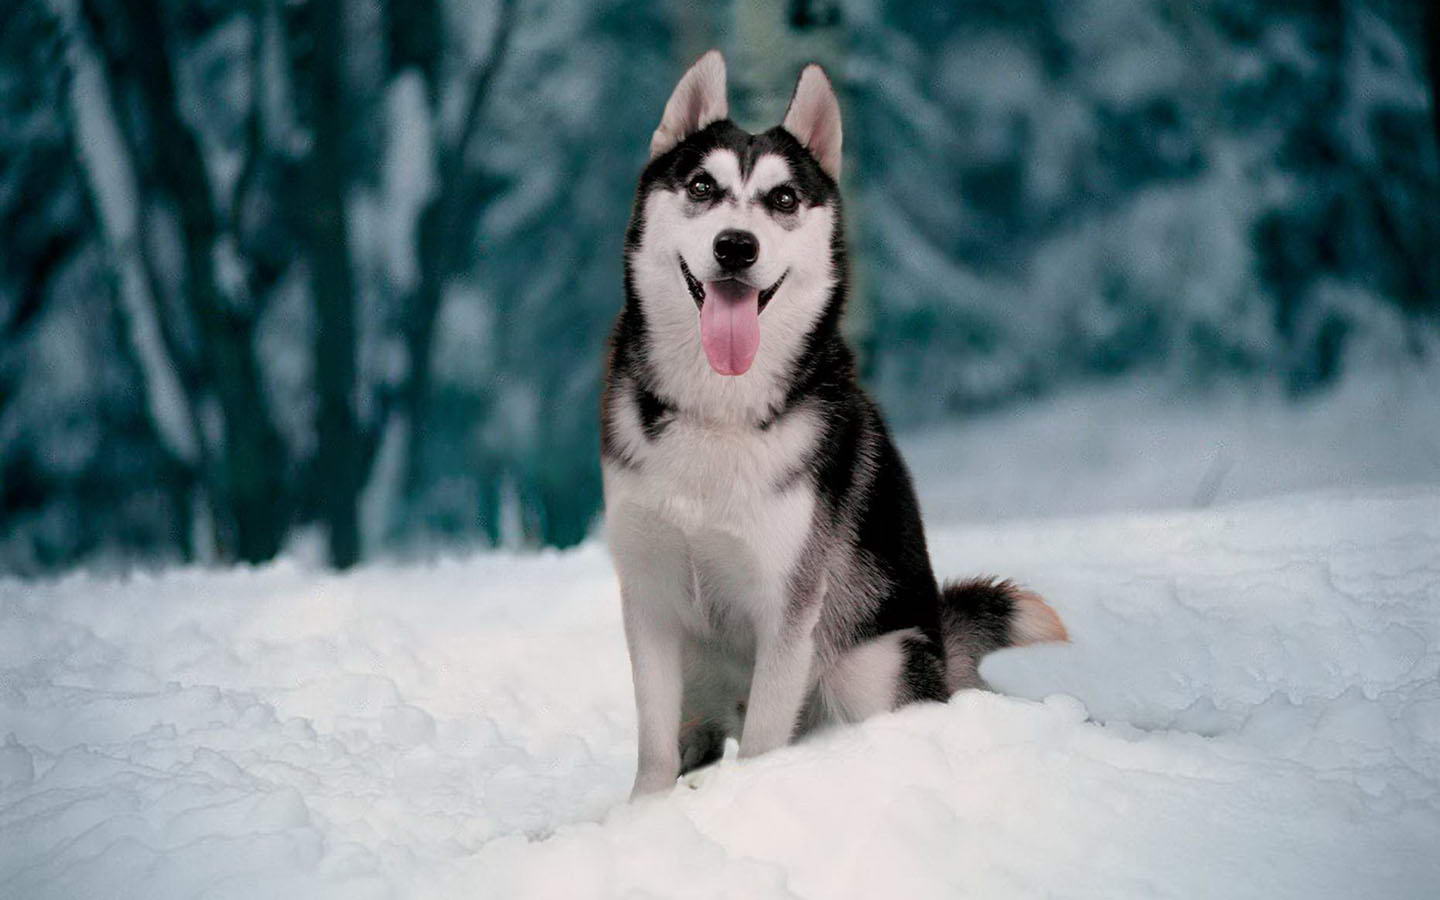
[(814, 118), (697, 100)]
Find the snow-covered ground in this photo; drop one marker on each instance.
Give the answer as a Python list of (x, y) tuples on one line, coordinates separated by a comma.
[(1249, 708)]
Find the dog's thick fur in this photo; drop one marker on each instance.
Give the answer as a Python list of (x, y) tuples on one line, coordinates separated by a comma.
[(772, 561)]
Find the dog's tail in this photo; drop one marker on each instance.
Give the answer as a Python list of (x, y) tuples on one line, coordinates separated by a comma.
[(982, 615)]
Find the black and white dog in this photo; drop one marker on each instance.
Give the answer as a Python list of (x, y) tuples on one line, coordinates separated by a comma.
[(772, 561)]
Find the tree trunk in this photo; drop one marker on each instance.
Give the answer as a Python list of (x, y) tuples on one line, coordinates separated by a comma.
[(1431, 40), (332, 283), (1432, 57)]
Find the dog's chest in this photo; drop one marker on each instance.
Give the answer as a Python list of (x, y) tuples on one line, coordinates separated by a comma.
[(738, 480)]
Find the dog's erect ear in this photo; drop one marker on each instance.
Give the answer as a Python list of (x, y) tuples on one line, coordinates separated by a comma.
[(814, 118), (698, 100)]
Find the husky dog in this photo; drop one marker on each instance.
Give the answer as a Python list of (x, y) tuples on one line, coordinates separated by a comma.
[(772, 563)]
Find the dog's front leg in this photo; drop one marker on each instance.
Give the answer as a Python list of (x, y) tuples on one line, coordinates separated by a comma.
[(655, 662), (654, 581), (783, 661)]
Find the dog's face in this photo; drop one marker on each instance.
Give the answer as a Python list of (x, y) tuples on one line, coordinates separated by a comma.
[(733, 260)]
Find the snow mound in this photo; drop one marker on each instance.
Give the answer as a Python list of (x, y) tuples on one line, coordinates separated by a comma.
[(1250, 708)]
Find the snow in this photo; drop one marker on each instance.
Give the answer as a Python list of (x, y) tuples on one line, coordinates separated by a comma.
[(1249, 708), (1130, 446)]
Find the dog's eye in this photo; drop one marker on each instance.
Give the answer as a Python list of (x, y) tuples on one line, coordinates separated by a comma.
[(701, 187), (783, 199)]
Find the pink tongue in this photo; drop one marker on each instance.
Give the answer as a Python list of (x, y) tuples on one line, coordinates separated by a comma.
[(730, 326)]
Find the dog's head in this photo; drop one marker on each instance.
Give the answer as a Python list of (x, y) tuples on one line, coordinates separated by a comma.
[(735, 234)]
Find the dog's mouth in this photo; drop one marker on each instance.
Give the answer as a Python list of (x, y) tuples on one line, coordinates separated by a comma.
[(697, 288), (729, 318)]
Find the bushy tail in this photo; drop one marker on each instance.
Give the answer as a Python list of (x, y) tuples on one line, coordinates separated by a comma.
[(982, 615)]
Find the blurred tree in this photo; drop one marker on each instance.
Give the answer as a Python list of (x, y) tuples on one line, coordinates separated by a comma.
[(211, 261), (208, 332), (446, 225), (83, 472), (1094, 188)]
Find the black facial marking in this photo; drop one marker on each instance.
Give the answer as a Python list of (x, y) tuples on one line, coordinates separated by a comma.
[(673, 170), (697, 290)]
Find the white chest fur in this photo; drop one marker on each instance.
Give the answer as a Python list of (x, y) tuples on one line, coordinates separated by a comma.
[(729, 490)]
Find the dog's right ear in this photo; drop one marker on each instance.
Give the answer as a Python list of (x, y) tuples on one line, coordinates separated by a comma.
[(698, 100)]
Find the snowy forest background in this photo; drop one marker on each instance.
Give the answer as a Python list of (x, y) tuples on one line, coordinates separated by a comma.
[(344, 268)]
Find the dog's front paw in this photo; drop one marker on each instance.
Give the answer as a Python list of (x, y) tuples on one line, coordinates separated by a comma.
[(701, 745), (696, 778), (647, 783)]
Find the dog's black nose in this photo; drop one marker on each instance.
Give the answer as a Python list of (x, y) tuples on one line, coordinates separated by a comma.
[(736, 249)]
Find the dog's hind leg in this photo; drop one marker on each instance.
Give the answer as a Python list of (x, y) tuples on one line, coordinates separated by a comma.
[(882, 674)]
